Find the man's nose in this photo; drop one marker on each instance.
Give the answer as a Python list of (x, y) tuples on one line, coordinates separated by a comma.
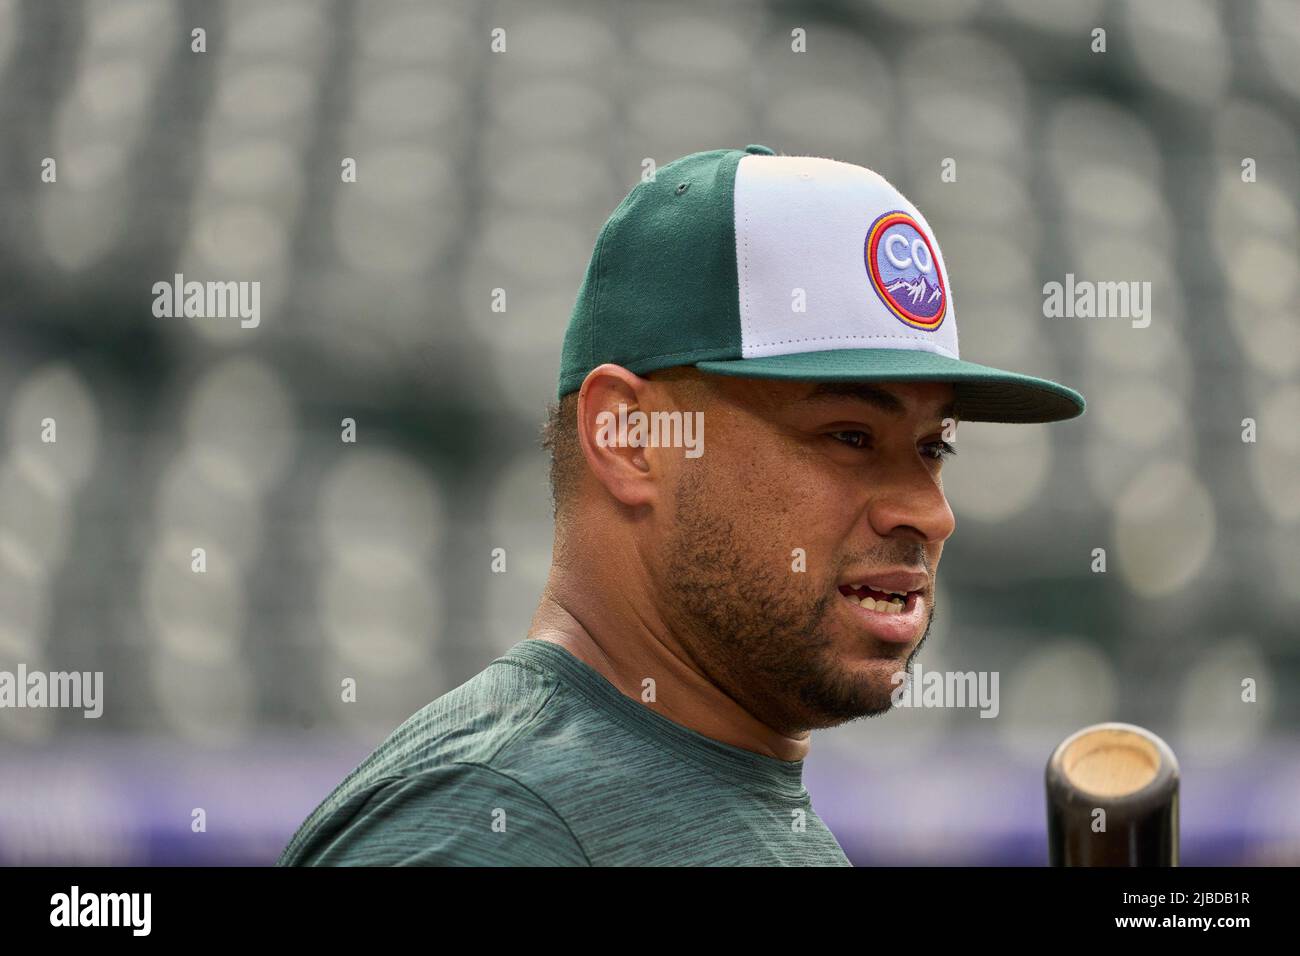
[(911, 500)]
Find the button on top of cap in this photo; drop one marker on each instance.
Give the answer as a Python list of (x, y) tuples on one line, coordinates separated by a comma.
[(759, 150)]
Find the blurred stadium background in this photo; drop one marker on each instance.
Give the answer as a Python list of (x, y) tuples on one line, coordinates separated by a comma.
[(480, 171)]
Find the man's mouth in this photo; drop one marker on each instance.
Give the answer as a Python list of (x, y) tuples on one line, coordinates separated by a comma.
[(874, 599), (896, 617)]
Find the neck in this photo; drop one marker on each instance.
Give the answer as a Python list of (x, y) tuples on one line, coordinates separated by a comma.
[(613, 633)]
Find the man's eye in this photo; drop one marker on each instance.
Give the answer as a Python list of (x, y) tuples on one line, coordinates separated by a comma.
[(939, 450), (856, 439)]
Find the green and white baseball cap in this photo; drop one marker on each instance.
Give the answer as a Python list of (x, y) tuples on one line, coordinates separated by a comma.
[(742, 262)]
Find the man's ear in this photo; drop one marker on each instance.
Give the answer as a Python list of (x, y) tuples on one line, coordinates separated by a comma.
[(609, 394)]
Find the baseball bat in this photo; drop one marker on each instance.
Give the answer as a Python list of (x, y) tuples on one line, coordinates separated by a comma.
[(1112, 799)]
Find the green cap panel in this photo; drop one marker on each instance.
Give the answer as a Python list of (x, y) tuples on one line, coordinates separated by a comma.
[(661, 288)]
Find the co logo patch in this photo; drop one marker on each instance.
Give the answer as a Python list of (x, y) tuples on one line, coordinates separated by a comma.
[(905, 271)]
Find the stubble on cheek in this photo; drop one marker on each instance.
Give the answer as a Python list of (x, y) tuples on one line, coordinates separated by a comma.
[(770, 635)]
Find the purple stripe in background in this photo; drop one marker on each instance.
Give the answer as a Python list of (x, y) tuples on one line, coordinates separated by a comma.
[(966, 803), (132, 801)]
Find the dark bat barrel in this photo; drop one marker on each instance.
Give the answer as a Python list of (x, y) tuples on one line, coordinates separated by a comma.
[(1131, 776)]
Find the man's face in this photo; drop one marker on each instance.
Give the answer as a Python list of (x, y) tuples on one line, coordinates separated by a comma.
[(840, 480)]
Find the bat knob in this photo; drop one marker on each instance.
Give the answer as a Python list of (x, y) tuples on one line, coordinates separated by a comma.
[(1112, 799)]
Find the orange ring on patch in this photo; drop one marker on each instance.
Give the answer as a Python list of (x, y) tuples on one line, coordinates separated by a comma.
[(903, 314)]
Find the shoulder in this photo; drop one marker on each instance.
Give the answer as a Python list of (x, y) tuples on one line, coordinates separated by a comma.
[(469, 724), (458, 814), (489, 772)]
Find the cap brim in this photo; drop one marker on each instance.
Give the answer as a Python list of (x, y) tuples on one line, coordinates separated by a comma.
[(982, 394)]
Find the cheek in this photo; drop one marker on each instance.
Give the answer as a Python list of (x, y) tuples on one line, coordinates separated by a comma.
[(798, 502)]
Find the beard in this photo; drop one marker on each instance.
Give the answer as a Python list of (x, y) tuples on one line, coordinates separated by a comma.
[(755, 632)]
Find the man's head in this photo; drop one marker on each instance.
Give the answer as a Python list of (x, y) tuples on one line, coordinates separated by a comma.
[(801, 307), (750, 552)]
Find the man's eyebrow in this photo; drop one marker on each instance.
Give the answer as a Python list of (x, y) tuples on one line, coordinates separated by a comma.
[(874, 396)]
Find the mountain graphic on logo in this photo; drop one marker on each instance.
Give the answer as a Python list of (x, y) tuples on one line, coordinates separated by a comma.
[(918, 290)]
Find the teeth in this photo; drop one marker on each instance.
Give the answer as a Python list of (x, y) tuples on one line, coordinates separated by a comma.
[(896, 606)]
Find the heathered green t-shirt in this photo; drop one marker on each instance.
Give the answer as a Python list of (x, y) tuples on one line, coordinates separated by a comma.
[(539, 761)]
